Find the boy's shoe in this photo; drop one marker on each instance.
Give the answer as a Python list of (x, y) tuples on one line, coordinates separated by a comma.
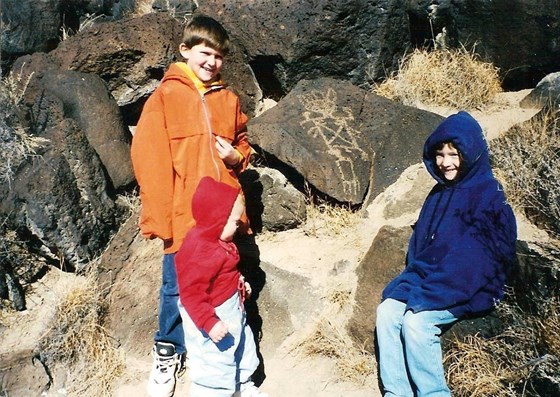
[(182, 367), (164, 370), (248, 389)]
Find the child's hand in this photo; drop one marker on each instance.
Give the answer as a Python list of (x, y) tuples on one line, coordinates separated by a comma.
[(218, 331), (248, 289), (226, 152)]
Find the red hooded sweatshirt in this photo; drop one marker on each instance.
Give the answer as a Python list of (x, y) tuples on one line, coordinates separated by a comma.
[(207, 266)]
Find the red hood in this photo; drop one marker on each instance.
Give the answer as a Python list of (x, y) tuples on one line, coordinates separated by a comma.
[(211, 206)]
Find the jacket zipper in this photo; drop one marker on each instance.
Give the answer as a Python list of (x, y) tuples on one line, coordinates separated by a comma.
[(212, 151)]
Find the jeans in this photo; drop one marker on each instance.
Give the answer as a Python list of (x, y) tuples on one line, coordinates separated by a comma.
[(170, 327), (410, 356), (218, 369)]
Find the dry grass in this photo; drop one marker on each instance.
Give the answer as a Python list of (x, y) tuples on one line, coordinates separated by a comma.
[(76, 340), (339, 296), (474, 369), (527, 162), (454, 78), (86, 23), (142, 7), (522, 360), (130, 201), (17, 144), (326, 219), (329, 340), (548, 327)]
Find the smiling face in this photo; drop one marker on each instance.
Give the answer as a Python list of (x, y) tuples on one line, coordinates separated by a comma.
[(448, 161), (204, 61)]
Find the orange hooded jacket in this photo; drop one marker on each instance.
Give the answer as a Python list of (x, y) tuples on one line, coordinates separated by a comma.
[(174, 147)]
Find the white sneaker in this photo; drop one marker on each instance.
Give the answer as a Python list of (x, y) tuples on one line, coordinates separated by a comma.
[(248, 389), (164, 370)]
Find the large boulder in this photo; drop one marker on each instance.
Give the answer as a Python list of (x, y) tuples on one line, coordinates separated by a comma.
[(273, 204), (87, 101), (384, 260), (293, 40), (545, 94), (348, 143), (30, 26), (61, 195), (131, 56)]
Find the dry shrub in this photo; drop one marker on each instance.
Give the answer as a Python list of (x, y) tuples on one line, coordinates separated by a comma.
[(17, 144), (475, 370), (527, 162), (130, 201), (521, 360), (339, 296), (548, 327), (76, 340), (329, 340), (327, 219), (455, 78), (142, 7)]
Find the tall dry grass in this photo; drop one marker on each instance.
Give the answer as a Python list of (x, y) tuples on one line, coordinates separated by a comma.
[(455, 78), (331, 341), (523, 360), (17, 143), (327, 219), (76, 340), (527, 162)]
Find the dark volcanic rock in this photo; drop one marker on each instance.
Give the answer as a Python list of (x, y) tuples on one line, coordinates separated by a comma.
[(345, 141), (384, 260)]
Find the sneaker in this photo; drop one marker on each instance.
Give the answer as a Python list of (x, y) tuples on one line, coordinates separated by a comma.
[(164, 369), (248, 389), (182, 367)]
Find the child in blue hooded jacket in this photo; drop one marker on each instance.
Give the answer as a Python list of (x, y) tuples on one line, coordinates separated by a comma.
[(460, 250)]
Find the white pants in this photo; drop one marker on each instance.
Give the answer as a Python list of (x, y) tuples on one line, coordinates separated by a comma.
[(217, 370)]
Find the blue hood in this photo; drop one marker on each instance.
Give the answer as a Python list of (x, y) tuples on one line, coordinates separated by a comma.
[(466, 135), (464, 240)]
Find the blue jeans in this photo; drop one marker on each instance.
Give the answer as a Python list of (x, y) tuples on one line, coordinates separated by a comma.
[(218, 369), (170, 326), (410, 356)]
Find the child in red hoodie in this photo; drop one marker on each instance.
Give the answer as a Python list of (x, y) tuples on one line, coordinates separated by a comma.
[(220, 344)]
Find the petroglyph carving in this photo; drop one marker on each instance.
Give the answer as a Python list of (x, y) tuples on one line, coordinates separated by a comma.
[(333, 125)]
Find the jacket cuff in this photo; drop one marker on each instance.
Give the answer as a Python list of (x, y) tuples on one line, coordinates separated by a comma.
[(208, 324)]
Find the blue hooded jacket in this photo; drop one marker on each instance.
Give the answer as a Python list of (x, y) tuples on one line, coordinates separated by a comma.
[(464, 240)]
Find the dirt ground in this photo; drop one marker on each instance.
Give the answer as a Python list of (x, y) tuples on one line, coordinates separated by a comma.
[(287, 374)]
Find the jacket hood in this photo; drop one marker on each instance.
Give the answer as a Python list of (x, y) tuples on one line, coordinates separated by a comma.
[(465, 133), (211, 206), (182, 72)]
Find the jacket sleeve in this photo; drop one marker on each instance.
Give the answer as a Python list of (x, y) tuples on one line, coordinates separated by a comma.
[(194, 280), (151, 159), (241, 140), (478, 262)]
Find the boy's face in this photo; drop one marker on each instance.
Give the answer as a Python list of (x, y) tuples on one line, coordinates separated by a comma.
[(234, 220), (204, 61), (448, 162)]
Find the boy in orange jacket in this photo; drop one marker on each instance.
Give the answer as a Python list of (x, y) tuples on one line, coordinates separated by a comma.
[(190, 127), (222, 350)]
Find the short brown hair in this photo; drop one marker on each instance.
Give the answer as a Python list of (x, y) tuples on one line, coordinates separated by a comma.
[(206, 30)]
